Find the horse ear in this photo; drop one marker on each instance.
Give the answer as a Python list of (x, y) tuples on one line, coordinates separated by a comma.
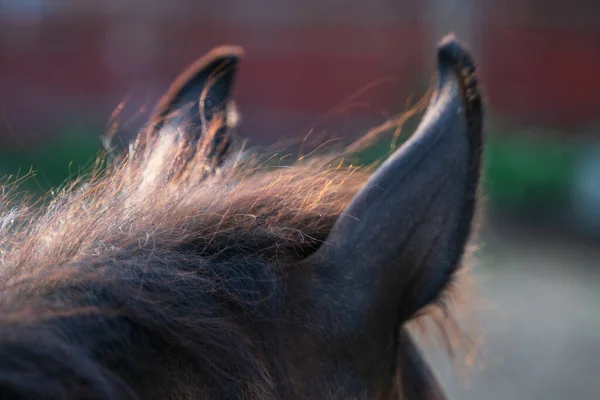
[(199, 96), (398, 243)]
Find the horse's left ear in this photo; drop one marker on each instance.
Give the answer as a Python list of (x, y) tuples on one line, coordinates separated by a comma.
[(200, 95)]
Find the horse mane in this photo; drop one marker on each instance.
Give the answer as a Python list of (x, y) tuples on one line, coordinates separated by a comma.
[(108, 270)]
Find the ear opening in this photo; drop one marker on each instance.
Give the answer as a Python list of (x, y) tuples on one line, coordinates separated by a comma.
[(198, 105)]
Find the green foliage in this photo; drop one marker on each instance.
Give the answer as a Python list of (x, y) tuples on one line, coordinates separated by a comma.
[(520, 171), (524, 171), (63, 157)]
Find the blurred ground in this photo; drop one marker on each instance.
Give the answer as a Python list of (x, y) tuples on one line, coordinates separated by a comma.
[(541, 328)]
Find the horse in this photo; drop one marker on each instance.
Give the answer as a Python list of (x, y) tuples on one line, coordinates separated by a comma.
[(191, 268)]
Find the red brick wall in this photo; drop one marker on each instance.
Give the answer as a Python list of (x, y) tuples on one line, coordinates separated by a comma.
[(541, 59), (292, 73), (538, 67), (543, 75)]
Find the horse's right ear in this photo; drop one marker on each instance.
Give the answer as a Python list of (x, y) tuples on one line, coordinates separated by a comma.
[(398, 244), (200, 95)]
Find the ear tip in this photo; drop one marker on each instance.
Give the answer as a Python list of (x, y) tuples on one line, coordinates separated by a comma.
[(223, 56), (454, 54), (230, 53), (455, 59)]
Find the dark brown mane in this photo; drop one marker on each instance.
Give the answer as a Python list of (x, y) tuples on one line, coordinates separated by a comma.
[(91, 236)]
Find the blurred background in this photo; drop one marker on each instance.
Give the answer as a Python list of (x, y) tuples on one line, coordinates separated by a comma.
[(67, 65)]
